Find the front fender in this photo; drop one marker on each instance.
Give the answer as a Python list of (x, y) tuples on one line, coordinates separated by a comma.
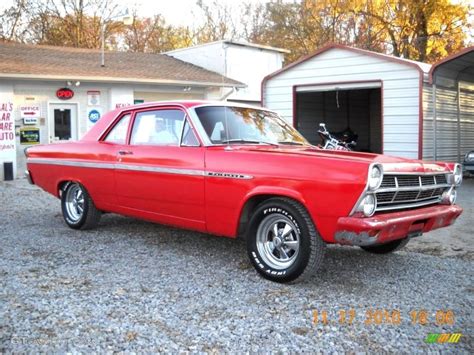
[(273, 190)]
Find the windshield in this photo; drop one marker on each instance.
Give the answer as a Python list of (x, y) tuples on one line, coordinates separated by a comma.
[(239, 125)]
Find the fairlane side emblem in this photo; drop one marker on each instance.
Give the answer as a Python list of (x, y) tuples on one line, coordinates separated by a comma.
[(228, 175)]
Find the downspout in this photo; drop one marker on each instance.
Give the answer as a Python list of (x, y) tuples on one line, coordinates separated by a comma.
[(435, 124), (227, 94), (459, 120)]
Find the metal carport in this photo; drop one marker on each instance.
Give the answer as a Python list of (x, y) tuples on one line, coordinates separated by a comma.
[(449, 115)]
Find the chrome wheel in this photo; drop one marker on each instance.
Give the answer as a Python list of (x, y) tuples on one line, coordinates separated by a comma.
[(278, 241), (75, 202)]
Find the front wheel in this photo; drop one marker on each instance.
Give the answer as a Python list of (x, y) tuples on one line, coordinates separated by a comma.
[(386, 248), (282, 241), (79, 211)]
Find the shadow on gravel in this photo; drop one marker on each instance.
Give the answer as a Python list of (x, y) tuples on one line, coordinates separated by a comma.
[(344, 267)]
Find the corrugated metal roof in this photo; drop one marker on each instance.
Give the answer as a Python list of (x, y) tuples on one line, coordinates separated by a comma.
[(459, 65), (423, 68)]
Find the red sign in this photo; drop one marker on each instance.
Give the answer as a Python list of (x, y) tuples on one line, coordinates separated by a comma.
[(64, 94)]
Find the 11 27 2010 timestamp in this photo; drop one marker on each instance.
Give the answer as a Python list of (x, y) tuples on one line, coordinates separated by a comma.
[(381, 316)]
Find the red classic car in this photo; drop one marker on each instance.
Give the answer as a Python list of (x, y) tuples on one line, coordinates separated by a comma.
[(234, 170)]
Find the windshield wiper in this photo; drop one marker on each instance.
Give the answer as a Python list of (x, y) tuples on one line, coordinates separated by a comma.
[(291, 143), (240, 140)]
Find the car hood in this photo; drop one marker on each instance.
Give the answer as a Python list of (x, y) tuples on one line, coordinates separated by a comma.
[(390, 163)]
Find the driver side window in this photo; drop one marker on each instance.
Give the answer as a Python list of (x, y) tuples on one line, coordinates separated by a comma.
[(160, 127)]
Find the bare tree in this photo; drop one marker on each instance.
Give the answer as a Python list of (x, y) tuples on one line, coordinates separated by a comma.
[(15, 19)]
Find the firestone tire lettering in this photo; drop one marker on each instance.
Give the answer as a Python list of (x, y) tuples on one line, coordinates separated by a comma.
[(311, 250)]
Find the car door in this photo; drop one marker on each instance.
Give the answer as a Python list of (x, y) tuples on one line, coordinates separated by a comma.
[(160, 172), (104, 154)]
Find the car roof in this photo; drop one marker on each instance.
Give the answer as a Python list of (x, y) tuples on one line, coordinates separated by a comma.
[(103, 124), (188, 104)]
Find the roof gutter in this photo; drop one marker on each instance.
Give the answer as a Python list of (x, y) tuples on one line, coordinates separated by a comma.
[(121, 80)]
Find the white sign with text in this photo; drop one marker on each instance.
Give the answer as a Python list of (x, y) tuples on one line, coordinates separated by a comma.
[(30, 110)]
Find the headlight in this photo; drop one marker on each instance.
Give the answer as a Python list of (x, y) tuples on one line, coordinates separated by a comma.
[(368, 205), (457, 174), (375, 177), (469, 156), (449, 197), (453, 196)]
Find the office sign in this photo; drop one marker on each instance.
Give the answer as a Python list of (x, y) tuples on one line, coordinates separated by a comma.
[(28, 111)]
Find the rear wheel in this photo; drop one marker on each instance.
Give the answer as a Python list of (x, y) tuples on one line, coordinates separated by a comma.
[(79, 211), (282, 241), (386, 248)]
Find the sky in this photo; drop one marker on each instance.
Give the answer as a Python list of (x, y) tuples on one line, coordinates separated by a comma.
[(187, 13), (175, 12)]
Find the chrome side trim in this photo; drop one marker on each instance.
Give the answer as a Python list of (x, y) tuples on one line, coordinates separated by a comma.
[(146, 168), (80, 164), (155, 169)]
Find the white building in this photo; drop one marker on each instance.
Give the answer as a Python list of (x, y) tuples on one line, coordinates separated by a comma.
[(386, 100), (246, 62), (55, 93)]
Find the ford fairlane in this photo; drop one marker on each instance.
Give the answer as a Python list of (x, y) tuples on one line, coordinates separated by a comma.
[(234, 170)]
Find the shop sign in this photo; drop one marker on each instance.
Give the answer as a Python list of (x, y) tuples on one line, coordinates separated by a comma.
[(122, 104), (32, 110), (94, 115), (30, 135), (64, 94), (93, 98), (30, 120), (7, 127)]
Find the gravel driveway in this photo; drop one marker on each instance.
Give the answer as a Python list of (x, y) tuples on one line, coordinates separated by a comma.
[(136, 286)]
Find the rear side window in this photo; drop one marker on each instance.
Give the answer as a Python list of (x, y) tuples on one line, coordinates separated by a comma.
[(118, 134)]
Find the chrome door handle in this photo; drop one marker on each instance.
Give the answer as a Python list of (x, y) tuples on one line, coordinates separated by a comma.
[(125, 152)]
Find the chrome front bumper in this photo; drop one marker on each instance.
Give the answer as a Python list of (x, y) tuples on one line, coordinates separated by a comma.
[(385, 227)]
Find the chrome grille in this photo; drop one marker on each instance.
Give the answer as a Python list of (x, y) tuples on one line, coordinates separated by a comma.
[(428, 180), (441, 179), (388, 181), (399, 191), (407, 180)]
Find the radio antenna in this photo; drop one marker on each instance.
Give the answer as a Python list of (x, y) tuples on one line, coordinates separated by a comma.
[(227, 137)]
